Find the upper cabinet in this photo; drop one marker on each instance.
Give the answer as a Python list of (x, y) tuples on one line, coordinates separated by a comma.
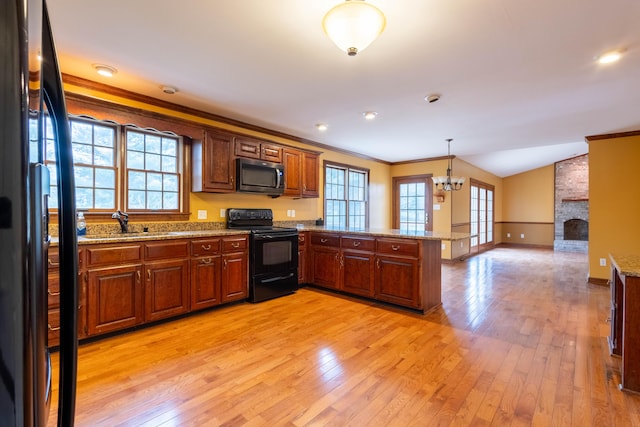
[(214, 166), (256, 149)]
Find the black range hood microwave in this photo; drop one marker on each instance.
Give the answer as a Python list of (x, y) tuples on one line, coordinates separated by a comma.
[(259, 176)]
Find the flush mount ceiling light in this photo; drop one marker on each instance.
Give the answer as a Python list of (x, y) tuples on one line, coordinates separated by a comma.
[(105, 70), (353, 25), (610, 57), (448, 183), (369, 115), (322, 127)]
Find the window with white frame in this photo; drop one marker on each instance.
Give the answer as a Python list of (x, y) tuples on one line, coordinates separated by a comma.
[(346, 196)]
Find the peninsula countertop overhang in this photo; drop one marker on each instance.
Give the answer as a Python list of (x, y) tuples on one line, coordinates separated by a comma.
[(387, 232)]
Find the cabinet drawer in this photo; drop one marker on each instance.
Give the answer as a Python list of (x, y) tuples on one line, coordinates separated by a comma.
[(397, 247), (322, 239), (233, 244), (53, 291), (117, 254), (53, 327), (205, 247), (166, 250), (358, 243), (53, 259)]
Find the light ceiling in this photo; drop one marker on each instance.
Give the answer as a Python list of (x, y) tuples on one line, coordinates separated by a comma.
[(519, 84)]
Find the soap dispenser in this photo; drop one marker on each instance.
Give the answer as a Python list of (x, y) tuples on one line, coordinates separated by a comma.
[(81, 225)]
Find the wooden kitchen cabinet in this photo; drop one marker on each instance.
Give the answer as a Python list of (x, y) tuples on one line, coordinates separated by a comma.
[(357, 262), (292, 160), (325, 260), (257, 149), (397, 268), (166, 289), (625, 320), (115, 298), (302, 257), (213, 163), (310, 174), (53, 297), (206, 273), (235, 269)]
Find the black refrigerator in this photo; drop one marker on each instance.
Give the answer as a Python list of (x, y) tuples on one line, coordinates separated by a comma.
[(31, 95)]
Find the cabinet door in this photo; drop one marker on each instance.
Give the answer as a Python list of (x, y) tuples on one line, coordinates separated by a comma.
[(166, 289), (326, 266), (357, 272), (205, 282), (310, 175), (397, 281), (235, 284), (292, 173), (214, 168), (115, 299), (302, 258)]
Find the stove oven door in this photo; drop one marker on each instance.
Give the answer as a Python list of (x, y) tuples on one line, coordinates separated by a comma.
[(273, 265)]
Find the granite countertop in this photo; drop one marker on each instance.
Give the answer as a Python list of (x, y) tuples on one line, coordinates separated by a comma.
[(93, 239), (626, 264), (387, 232)]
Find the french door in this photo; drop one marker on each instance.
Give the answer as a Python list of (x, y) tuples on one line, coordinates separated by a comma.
[(481, 215), (412, 204)]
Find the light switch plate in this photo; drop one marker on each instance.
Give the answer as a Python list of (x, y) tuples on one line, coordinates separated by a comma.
[(202, 214), (223, 213)]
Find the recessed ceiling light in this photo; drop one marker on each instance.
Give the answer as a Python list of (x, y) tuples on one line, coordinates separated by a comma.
[(322, 127), (370, 115), (610, 57), (169, 90), (105, 70), (434, 97)]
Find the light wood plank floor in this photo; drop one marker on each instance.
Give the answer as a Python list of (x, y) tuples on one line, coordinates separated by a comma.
[(520, 340)]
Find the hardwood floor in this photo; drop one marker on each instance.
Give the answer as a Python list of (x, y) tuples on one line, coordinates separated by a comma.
[(520, 340)]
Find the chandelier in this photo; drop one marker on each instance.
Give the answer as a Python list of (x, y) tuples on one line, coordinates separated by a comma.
[(353, 25), (448, 183)]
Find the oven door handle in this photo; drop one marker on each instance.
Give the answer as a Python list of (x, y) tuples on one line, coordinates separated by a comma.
[(275, 279), (275, 236)]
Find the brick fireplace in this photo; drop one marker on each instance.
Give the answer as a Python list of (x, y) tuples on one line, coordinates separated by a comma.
[(571, 230)]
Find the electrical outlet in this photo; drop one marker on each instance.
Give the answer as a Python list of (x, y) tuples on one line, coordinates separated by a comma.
[(462, 244), (603, 262), (223, 213), (508, 235), (522, 236), (288, 212), (293, 213), (202, 214), (444, 246)]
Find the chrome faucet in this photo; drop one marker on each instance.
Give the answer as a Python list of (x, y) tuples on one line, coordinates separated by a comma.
[(123, 219)]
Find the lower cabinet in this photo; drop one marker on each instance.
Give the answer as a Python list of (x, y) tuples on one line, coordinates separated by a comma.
[(166, 289), (114, 298), (235, 269), (205, 281), (400, 271)]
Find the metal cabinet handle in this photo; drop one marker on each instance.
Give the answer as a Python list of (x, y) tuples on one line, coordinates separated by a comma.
[(138, 275), (205, 261), (52, 329), (224, 263), (356, 244), (52, 264), (235, 245), (323, 240), (149, 275), (304, 187), (53, 294), (395, 247), (342, 261), (206, 248)]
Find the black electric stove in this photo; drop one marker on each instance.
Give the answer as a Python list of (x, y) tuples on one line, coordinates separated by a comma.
[(273, 253)]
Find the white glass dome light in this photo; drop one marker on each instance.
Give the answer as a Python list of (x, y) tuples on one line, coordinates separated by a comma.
[(353, 25)]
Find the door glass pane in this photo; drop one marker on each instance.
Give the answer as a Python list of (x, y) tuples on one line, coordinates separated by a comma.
[(412, 213)]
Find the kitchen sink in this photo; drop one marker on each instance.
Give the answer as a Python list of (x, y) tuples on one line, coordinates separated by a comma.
[(130, 235)]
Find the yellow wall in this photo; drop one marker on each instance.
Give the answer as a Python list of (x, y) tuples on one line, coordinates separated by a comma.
[(614, 200), (528, 207)]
